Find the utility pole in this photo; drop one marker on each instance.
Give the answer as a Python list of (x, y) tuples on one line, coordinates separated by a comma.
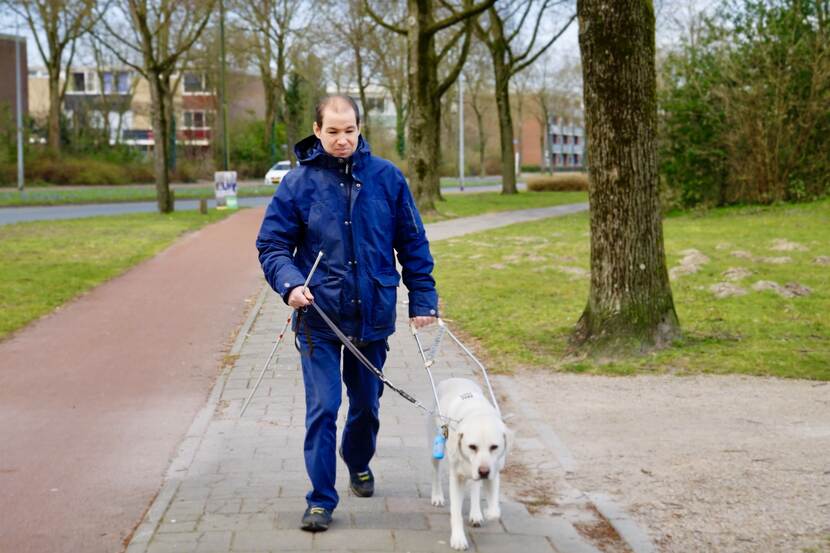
[(461, 130), (225, 153), (19, 103)]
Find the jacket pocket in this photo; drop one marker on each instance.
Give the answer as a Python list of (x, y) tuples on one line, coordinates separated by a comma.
[(385, 295), (327, 293)]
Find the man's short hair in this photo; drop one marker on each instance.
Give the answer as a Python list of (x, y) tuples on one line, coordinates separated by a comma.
[(326, 101)]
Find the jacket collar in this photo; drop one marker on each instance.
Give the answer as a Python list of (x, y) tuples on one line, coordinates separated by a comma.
[(309, 151)]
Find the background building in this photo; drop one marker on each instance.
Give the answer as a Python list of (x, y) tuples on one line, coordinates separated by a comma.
[(8, 89)]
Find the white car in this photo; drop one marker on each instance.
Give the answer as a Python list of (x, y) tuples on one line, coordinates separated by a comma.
[(277, 172)]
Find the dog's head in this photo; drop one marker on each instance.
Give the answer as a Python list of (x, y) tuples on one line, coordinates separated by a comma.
[(482, 443)]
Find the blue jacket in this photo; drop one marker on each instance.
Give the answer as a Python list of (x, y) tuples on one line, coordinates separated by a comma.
[(358, 212)]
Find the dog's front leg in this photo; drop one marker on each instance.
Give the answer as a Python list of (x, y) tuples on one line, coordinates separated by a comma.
[(437, 489), (493, 508), (457, 538), (475, 503)]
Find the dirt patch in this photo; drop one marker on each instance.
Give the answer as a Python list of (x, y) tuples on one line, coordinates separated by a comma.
[(691, 263), (600, 533), (705, 463), (822, 260), (784, 245), (733, 274), (742, 254), (723, 290), (789, 290), (781, 260)]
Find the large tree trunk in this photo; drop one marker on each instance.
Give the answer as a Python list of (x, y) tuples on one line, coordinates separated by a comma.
[(54, 132), (508, 160), (424, 133), (159, 86), (630, 302)]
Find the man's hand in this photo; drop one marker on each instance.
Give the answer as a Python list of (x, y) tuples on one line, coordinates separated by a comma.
[(300, 297), (421, 322)]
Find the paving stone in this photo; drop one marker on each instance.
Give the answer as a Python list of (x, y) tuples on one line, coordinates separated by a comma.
[(272, 540), (407, 521), (359, 539), (501, 543)]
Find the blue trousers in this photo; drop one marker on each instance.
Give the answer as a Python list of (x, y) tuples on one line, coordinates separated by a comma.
[(321, 377)]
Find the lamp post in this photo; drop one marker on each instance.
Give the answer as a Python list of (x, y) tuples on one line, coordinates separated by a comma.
[(461, 131), (225, 153), (19, 104)]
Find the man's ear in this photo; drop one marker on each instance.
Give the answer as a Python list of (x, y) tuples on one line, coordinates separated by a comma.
[(317, 130)]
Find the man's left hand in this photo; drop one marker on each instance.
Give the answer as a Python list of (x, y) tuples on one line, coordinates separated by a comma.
[(421, 322)]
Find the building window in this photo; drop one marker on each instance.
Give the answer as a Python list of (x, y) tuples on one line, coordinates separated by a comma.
[(576, 140), (195, 83), (576, 159), (374, 104), (556, 139), (78, 82), (565, 139), (198, 119), (123, 82), (107, 82)]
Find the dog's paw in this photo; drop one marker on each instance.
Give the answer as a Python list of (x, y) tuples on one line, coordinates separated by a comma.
[(493, 514), (458, 541), (438, 500), (476, 519)]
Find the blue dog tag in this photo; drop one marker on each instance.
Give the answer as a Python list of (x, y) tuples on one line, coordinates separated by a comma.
[(438, 446)]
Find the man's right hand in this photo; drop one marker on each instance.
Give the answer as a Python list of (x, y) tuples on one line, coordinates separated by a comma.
[(300, 297)]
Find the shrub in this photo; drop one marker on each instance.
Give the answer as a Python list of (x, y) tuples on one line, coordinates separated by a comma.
[(530, 168), (559, 182)]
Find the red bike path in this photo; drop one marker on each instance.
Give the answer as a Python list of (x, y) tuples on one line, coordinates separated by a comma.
[(95, 397)]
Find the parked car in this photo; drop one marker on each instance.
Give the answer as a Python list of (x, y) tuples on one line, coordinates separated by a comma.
[(277, 172)]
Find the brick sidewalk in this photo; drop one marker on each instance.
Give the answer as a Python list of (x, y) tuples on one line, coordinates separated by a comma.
[(238, 485)]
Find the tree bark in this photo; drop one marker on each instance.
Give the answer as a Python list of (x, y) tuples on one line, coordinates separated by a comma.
[(54, 132), (424, 129), (630, 304), (508, 159), (159, 87)]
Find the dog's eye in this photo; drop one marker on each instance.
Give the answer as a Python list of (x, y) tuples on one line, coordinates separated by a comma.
[(493, 447), (474, 447)]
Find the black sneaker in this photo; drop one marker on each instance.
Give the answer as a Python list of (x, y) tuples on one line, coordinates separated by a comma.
[(316, 519), (362, 484)]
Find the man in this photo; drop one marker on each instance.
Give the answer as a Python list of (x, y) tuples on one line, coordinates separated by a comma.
[(356, 208)]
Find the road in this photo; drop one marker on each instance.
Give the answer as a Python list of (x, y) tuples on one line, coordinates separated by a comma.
[(9, 215)]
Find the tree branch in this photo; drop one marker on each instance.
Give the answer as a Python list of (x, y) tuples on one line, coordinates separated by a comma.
[(379, 20), (520, 67), (457, 17), (453, 75)]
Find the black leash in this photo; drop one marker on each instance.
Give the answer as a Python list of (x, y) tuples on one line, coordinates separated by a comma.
[(362, 358)]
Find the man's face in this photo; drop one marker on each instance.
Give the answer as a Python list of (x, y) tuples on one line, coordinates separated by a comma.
[(339, 132)]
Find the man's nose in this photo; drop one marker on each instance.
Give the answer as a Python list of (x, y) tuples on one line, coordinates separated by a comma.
[(484, 471)]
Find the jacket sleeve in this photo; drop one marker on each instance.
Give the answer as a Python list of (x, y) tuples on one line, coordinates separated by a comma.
[(413, 255), (277, 240)]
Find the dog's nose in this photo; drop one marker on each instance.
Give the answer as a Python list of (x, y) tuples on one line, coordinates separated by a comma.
[(484, 472)]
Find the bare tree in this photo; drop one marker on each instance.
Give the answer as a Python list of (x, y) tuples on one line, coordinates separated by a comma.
[(61, 23), (478, 86), (630, 300), (356, 28), (557, 94), (425, 87), (502, 33), (156, 38), (270, 26), (388, 53)]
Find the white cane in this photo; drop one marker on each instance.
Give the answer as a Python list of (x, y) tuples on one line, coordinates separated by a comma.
[(279, 339)]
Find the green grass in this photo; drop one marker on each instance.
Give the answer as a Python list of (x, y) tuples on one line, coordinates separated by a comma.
[(44, 264), (466, 205), (56, 195), (519, 290)]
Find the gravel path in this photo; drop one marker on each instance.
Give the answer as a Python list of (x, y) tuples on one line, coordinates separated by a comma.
[(726, 463)]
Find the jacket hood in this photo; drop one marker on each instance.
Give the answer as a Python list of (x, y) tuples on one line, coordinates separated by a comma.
[(310, 150)]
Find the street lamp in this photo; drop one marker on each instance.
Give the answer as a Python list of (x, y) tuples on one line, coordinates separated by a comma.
[(19, 103)]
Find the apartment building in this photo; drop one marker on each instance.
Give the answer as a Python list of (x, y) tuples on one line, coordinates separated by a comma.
[(118, 99), (567, 145)]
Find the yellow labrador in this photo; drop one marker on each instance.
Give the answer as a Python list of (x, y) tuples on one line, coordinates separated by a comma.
[(476, 446)]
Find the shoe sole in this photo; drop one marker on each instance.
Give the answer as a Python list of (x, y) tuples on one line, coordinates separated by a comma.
[(361, 494), (314, 527)]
